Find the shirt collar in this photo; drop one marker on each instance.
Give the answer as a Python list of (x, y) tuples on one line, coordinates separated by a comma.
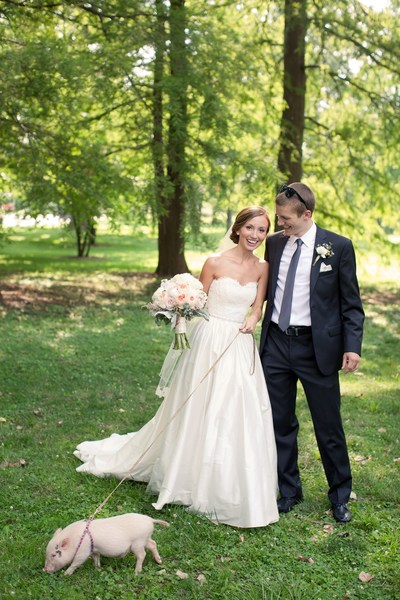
[(308, 238)]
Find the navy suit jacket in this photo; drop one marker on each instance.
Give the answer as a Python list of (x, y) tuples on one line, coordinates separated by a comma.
[(337, 314)]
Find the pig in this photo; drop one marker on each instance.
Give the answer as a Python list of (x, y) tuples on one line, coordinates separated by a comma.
[(113, 537)]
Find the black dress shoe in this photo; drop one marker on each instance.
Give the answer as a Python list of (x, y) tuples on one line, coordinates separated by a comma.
[(341, 513), (285, 504)]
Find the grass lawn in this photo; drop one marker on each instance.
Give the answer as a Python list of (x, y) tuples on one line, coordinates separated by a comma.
[(79, 359)]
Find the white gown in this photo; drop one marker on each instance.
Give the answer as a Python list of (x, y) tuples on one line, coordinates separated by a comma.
[(217, 454)]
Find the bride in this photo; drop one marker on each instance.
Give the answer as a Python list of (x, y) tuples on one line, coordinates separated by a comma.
[(214, 452)]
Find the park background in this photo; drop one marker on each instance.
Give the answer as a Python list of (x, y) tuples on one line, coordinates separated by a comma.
[(131, 133)]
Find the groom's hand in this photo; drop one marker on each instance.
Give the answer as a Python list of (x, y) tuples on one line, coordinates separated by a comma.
[(351, 362)]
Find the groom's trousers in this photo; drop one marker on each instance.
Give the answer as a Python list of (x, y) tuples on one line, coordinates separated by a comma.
[(287, 360)]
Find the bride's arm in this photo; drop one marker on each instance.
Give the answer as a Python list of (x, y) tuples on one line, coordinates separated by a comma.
[(207, 273), (255, 315)]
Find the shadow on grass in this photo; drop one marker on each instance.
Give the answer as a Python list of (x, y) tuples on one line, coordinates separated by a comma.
[(38, 294)]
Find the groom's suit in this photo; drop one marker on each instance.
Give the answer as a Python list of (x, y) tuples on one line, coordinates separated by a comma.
[(314, 357)]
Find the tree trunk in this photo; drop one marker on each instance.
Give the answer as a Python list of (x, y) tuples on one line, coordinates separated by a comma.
[(85, 236), (92, 233), (171, 220), (158, 122), (78, 237), (229, 218), (294, 91)]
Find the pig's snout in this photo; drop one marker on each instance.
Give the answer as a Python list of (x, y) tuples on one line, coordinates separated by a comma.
[(48, 569)]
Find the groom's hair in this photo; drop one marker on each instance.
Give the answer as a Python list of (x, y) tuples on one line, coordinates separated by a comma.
[(245, 215), (307, 201)]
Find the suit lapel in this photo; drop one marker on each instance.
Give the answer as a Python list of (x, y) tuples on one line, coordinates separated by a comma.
[(319, 239), (281, 241)]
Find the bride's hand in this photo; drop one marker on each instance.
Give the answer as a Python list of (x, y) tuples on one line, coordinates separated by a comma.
[(248, 326)]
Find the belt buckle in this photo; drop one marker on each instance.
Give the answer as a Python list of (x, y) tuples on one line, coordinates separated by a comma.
[(292, 330)]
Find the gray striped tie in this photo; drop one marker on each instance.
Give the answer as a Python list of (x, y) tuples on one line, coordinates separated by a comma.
[(286, 308)]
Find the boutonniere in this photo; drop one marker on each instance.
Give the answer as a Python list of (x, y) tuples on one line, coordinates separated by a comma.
[(323, 251)]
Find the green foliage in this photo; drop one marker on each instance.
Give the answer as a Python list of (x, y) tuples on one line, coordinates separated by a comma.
[(77, 110)]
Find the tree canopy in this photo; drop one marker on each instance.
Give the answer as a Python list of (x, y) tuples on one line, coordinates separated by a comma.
[(147, 109)]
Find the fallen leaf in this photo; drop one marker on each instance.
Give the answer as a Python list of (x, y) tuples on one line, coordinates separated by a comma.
[(20, 463), (396, 459), (60, 422), (121, 410), (37, 412), (241, 538), (3, 420), (328, 528), (359, 458), (162, 572), (201, 578), (381, 430), (305, 559), (343, 534), (19, 427), (314, 538), (365, 577), (181, 574)]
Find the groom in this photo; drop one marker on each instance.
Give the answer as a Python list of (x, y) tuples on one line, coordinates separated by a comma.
[(312, 328)]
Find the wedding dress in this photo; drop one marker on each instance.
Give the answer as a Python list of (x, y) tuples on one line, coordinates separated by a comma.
[(214, 452)]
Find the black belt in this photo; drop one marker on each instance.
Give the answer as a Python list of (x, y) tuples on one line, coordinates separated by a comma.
[(293, 330)]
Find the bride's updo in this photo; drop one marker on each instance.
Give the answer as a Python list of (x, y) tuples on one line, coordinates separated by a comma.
[(245, 215)]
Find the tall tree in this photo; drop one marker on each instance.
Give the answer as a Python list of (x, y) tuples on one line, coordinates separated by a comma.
[(60, 158), (171, 237), (290, 156), (346, 115), (352, 119)]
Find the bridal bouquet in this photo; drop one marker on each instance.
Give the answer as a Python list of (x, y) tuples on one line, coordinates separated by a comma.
[(178, 300)]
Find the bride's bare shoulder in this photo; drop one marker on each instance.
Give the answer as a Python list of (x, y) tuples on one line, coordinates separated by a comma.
[(262, 267), (217, 258), (212, 259), (261, 262)]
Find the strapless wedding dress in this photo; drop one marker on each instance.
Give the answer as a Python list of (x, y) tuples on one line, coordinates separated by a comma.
[(212, 450)]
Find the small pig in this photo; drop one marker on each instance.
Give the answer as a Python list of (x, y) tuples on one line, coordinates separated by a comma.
[(113, 537)]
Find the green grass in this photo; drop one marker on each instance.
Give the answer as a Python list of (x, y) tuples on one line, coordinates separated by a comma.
[(79, 359), (52, 251)]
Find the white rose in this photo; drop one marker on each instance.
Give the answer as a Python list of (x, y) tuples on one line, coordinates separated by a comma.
[(159, 298), (322, 251), (186, 279)]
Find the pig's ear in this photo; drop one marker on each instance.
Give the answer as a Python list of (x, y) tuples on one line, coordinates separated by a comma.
[(57, 531), (64, 543)]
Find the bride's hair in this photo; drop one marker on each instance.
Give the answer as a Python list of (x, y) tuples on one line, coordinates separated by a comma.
[(245, 215)]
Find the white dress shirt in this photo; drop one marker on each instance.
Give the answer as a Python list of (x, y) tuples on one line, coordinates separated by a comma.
[(300, 313)]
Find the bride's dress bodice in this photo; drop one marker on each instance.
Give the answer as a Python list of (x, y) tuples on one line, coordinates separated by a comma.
[(229, 300)]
